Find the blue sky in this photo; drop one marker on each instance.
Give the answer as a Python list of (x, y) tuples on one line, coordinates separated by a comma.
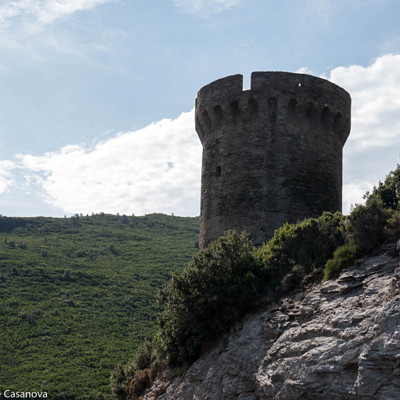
[(97, 96)]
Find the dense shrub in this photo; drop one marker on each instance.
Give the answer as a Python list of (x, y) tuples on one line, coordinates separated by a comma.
[(297, 250), (139, 384), (366, 229), (367, 224), (231, 276), (119, 382), (215, 289), (392, 228), (388, 191), (343, 257), (135, 376), (143, 355)]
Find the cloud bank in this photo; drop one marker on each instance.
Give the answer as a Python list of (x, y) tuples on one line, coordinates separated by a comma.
[(376, 101), (373, 147), (154, 169), (157, 168)]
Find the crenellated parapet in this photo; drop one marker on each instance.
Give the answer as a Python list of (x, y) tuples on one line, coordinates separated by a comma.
[(272, 153), (275, 97)]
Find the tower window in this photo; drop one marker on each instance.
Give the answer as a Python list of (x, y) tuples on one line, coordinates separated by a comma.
[(253, 105), (235, 111), (218, 113), (309, 110), (292, 108), (273, 110), (206, 119), (338, 122), (325, 117)]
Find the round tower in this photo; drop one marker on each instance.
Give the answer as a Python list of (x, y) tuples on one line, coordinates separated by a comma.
[(271, 154)]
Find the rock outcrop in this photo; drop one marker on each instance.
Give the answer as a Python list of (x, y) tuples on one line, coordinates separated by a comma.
[(336, 340)]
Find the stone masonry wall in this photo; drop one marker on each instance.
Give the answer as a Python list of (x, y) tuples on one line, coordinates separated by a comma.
[(271, 154)]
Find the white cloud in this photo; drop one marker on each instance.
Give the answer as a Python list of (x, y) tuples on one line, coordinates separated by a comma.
[(373, 147), (34, 33), (305, 70), (154, 169), (44, 11), (375, 92), (6, 180), (54, 9), (195, 6), (353, 194)]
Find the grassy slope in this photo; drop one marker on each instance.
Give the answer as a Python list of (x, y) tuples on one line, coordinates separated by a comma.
[(77, 295)]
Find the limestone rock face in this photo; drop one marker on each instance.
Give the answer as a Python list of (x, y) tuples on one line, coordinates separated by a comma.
[(337, 340)]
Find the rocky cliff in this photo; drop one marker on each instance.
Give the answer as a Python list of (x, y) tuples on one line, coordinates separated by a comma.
[(336, 340)]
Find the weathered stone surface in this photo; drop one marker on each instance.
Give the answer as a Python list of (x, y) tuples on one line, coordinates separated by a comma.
[(337, 340), (271, 154)]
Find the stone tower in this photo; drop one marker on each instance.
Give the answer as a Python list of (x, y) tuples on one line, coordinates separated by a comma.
[(271, 154)]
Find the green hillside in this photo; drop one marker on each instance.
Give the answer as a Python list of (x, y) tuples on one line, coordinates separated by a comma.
[(78, 294)]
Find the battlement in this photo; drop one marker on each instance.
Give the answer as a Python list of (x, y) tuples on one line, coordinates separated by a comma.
[(271, 154), (276, 97)]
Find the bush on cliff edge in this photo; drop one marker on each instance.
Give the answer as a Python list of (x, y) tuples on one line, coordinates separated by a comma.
[(299, 250), (214, 290), (369, 225)]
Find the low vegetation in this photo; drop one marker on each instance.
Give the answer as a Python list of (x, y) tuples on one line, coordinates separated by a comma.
[(77, 295)]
